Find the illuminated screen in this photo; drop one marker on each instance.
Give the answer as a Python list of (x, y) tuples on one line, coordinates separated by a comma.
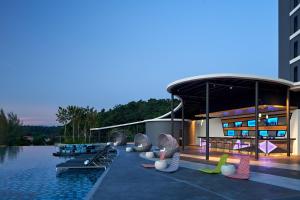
[(263, 133), (230, 133), (272, 121), (245, 133), (225, 125), (238, 124), (251, 123), (281, 133)]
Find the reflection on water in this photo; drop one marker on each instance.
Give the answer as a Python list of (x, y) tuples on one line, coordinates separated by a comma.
[(9, 153)]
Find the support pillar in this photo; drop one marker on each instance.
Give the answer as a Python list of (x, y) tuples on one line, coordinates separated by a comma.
[(182, 124), (256, 122), (207, 121), (172, 115), (288, 132)]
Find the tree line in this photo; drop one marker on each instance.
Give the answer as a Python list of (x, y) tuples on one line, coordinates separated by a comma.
[(13, 132), (78, 120), (10, 129)]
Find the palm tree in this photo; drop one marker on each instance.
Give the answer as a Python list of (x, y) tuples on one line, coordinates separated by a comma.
[(78, 118), (91, 119), (63, 118), (84, 117), (71, 110)]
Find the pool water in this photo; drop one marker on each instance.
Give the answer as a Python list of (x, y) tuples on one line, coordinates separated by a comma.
[(29, 173)]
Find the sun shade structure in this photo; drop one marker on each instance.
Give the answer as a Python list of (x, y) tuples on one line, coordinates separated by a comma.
[(142, 143), (226, 92), (167, 143), (120, 138)]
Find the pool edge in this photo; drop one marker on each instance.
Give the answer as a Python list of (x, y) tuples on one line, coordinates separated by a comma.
[(99, 181)]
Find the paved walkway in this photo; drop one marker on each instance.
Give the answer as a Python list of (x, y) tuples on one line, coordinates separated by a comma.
[(127, 180)]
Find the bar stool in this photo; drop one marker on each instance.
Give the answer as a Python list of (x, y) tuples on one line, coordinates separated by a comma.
[(213, 142), (219, 142), (228, 143)]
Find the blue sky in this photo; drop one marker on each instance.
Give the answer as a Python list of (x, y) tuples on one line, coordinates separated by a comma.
[(103, 53)]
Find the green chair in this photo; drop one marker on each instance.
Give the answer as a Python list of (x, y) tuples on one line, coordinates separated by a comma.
[(217, 169)]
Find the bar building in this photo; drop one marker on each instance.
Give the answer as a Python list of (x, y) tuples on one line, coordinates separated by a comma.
[(253, 114)]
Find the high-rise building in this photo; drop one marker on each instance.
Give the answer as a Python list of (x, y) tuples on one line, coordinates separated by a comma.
[(289, 39)]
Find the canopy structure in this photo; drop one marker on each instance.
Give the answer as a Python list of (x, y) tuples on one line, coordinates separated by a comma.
[(227, 92), (168, 144), (142, 142), (120, 138), (219, 93)]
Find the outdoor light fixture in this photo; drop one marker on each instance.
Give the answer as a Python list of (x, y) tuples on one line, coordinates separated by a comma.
[(267, 116), (230, 87), (259, 114), (201, 122)]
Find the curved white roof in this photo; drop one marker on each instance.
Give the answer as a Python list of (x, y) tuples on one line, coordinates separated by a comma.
[(229, 75), (296, 87)]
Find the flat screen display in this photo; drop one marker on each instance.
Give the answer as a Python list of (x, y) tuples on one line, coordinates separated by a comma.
[(238, 124), (230, 133), (225, 125), (251, 123), (272, 121), (245, 133), (263, 133), (281, 134)]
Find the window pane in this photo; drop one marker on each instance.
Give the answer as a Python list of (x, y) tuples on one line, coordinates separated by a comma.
[(295, 24), (295, 49), (296, 74), (295, 3)]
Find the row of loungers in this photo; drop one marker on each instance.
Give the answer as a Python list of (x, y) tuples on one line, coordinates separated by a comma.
[(242, 172), (100, 160)]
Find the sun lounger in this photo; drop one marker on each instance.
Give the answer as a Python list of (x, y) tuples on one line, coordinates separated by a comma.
[(217, 169), (101, 160), (243, 170)]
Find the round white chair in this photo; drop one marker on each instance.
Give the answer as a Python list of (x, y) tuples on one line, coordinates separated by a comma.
[(160, 164), (149, 154), (227, 170), (128, 149)]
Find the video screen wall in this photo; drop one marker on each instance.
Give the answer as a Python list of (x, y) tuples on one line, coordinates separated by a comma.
[(239, 127)]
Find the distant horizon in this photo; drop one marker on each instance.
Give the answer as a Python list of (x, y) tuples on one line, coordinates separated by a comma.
[(105, 53)]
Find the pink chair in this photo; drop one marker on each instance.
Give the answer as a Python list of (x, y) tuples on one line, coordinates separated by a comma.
[(243, 170)]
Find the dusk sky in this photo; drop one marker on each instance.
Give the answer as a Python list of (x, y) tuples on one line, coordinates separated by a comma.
[(103, 53)]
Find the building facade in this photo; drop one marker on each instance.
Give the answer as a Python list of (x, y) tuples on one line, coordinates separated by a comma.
[(289, 40)]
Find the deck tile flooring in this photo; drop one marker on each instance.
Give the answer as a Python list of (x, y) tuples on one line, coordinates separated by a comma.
[(127, 180)]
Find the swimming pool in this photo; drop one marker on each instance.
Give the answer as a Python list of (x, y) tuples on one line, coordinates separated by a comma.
[(29, 173)]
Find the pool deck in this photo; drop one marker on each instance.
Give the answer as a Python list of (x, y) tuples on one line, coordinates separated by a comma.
[(127, 180)]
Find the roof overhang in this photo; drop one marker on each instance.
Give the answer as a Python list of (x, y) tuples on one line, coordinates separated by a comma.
[(211, 77), (228, 91)]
